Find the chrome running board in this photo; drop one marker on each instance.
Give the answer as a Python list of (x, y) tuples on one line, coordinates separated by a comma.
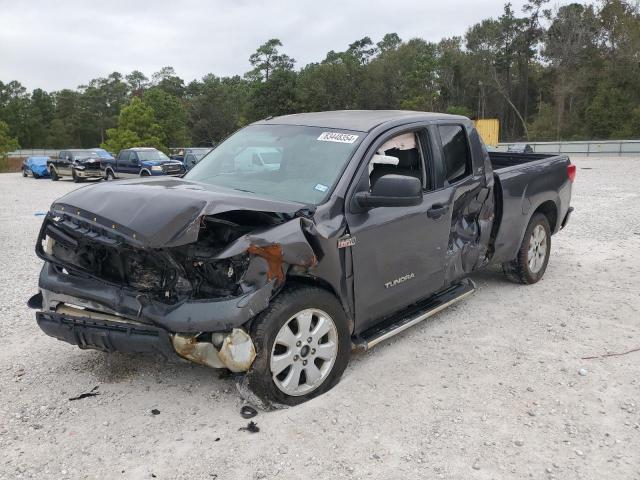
[(414, 315)]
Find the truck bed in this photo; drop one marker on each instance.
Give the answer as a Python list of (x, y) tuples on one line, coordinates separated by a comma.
[(502, 160), (525, 182)]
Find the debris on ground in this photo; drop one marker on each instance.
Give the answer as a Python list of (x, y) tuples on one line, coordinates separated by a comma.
[(247, 411), (612, 354), (90, 393), (155, 411), (252, 427)]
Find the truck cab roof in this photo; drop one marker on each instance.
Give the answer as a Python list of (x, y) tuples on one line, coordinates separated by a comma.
[(358, 120)]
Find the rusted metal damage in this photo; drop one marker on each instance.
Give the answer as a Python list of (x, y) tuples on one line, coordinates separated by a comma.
[(236, 352)]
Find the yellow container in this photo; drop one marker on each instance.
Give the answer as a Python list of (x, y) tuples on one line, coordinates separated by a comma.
[(489, 130)]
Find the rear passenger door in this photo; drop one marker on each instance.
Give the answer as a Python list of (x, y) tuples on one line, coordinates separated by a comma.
[(470, 199)]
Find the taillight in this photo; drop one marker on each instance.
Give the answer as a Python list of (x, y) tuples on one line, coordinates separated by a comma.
[(571, 172)]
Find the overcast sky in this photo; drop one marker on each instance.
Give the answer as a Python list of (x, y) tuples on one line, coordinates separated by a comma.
[(58, 44)]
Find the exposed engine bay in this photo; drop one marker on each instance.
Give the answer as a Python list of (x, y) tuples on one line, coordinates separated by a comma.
[(171, 275)]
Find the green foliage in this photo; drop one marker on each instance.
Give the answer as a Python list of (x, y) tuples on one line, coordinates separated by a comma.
[(137, 127), (170, 113), (7, 142), (459, 110), (569, 74)]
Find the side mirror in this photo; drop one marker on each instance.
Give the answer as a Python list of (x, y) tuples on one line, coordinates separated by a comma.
[(391, 191)]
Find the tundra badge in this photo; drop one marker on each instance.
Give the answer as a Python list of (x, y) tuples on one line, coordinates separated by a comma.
[(399, 280)]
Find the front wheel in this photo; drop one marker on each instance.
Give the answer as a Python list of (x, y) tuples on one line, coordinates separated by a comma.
[(74, 175), (24, 173), (54, 174), (303, 344), (533, 256)]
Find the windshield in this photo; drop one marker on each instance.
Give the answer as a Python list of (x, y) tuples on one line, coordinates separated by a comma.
[(151, 155), (102, 153), (284, 162), (84, 154)]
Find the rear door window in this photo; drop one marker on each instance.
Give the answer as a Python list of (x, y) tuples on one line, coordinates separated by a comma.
[(457, 160)]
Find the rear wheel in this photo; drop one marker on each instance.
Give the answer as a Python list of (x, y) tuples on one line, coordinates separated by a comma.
[(533, 255), (303, 345), (54, 174)]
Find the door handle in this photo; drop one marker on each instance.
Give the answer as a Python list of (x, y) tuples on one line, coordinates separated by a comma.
[(437, 210)]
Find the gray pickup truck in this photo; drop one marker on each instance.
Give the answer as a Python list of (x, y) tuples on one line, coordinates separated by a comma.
[(368, 223)]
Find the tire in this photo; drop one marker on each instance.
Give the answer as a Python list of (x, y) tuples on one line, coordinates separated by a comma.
[(76, 178), (533, 255), (109, 175), (144, 173), (54, 175), (24, 173), (323, 312)]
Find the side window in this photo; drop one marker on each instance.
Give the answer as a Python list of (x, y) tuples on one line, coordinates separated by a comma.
[(457, 162), (133, 159), (399, 155)]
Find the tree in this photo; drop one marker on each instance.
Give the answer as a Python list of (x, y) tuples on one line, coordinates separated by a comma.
[(167, 80), (570, 44), (137, 127), (7, 142), (137, 82), (391, 41), (266, 59), (170, 113), (218, 110)]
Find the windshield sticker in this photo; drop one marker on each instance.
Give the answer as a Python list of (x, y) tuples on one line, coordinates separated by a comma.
[(321, 188), (337, 137)]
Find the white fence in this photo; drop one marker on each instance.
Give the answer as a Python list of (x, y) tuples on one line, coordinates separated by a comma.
[(608, 148), (33, 152)]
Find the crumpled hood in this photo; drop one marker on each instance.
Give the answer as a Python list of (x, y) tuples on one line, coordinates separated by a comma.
[(163, 212)]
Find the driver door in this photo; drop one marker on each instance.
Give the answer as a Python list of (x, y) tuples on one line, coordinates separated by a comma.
[(398, 254)]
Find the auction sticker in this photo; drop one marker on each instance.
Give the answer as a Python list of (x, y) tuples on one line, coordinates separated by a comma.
[(337, 137)]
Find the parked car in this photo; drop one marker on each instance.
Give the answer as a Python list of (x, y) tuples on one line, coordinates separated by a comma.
[(36, 166), (79, 164), (257, 159), (372, 222), (103, 154), (192, 155), (140, 162)]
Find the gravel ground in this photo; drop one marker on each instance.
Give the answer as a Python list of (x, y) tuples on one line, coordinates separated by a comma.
[(492, 388)]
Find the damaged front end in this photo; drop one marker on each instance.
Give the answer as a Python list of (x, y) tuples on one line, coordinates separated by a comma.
[(105, 286)]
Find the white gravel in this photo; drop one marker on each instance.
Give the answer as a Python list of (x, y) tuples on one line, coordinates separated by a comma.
[(492, 388)]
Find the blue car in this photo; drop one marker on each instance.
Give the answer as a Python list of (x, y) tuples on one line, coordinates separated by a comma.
[(36, 166), (140, 162)]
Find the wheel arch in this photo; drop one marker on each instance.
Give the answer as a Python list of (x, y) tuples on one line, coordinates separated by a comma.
[(549, 209), (321, 283)]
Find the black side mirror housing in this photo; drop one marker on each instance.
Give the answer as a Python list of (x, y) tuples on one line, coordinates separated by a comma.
[(391, 191)]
